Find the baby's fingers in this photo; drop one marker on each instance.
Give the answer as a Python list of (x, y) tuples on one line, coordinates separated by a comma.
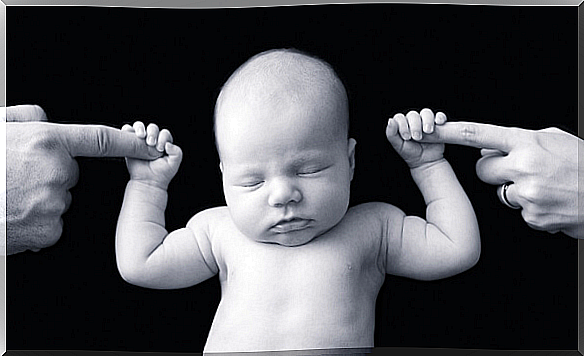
[(152, 134), (163, 137), (427, 120), (403, 127), (127, 128), (440, 118), (174, 154), (392, 133), (415, 125), (139, 129)]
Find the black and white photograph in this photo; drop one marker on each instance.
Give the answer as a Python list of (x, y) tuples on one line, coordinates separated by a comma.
[(334, 178)]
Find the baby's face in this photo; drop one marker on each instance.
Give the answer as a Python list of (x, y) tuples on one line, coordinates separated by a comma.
[(286, 170)]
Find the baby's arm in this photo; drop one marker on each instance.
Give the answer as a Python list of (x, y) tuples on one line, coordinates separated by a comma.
[(147, 255), (447, 242)]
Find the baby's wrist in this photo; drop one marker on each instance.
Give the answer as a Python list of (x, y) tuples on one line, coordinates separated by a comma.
[(428, 166), (141, 193), (149, 184)]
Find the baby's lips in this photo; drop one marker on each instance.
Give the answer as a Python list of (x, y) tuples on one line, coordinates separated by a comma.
[(290, 225)]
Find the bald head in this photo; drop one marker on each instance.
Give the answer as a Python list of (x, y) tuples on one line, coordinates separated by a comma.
[(279, 81)]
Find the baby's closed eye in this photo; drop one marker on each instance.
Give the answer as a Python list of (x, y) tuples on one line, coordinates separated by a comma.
[(311, 170), (250, 184)]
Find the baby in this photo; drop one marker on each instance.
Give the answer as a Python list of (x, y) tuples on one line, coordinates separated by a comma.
[(298, 269)]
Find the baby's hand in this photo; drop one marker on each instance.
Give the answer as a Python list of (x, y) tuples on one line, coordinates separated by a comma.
[(160, 171), (404, 132)]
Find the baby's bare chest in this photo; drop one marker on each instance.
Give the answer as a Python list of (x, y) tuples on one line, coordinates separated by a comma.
[(344, 268)]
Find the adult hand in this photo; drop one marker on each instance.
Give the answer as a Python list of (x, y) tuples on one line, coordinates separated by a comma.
[(40, 170), (543, 167)]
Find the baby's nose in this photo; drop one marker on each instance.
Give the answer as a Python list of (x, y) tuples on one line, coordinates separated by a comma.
[(283, 192)]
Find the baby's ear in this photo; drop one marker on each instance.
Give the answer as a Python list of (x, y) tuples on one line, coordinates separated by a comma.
[(351, 153)]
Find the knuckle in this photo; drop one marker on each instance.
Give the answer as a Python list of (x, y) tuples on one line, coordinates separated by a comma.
[(61, 173), (532, 220), (527, 164), (469, 132), (531, 192), (45, 140), (552, 130), (50, 204), (72, 174), (59, 206), (103, 141), (68, 200), (53, 232), (58, 175)]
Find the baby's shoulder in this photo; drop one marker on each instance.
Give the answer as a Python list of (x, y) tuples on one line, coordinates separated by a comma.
[(382, 212), (209, 221), (374, 218), (210, 216)]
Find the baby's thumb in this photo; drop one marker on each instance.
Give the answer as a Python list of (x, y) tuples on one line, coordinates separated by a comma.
[(174, 154), (391, 132)]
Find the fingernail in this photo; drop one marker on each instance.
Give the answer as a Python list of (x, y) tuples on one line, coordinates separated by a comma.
[(428, 128), (406, 136), (150, 140), (160, 149), (417, 135)]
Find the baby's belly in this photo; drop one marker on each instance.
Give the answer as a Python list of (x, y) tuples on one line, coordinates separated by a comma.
[(310, 309), (239, 327)]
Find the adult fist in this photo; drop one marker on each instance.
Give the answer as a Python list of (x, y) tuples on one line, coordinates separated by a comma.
[(40, 170), (542, 166)]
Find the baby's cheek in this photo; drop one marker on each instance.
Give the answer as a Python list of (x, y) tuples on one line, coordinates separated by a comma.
[(245, 212), (332, 197)]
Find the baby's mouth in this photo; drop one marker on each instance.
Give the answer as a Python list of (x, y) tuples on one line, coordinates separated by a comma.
[(290, 225)]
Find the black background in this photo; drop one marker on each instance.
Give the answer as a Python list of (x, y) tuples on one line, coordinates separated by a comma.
[(514, 66)]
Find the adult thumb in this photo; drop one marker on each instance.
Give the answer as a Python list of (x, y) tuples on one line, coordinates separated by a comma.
[(23, 113)]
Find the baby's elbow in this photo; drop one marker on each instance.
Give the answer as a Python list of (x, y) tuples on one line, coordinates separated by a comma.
[(128, 276), (131, 274), (458, 261), (468, 257)]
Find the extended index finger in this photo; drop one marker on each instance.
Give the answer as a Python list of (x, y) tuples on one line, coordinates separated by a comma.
[(103, 141), (475, 135)]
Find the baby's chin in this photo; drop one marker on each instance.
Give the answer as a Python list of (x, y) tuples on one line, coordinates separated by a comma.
[(291, 239)]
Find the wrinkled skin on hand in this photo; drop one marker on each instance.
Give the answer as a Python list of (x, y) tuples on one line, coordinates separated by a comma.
[(546, 168), (40, 170), (39, 175)]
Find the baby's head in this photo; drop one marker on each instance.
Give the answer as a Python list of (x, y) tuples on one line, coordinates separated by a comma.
[(281, 127)]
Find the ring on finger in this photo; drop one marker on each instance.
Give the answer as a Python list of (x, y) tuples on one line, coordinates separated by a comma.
[(502, 194)]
